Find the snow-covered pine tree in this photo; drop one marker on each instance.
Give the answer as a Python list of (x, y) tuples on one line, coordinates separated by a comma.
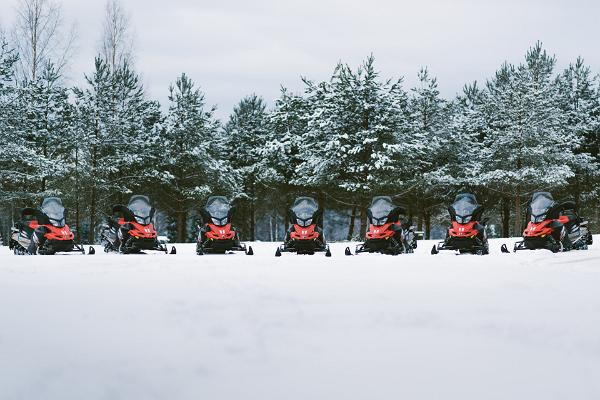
[(192, 159), (352, 140), (10, 144), (283, 148), (580, 102), (46, 124), (244, 138), (526, 146), (428, 118), (117, 131)]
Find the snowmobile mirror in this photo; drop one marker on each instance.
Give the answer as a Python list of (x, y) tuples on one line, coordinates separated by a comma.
[(504, 249)]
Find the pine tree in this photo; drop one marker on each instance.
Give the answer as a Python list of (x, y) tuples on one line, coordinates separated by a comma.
[(282, 151), (117, 130), (352, 142), (245, 136), (527, 146), (191, 156), (428, 117), (580, 103), (10, 144)]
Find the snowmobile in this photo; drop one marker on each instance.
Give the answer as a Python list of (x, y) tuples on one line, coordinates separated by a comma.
[(553, 225), (305, 235), (44, 230), (217, 235), (467, 233), (130, 228), (388, 232)]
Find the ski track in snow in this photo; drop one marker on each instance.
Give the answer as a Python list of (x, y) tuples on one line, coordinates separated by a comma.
[(156, 326)]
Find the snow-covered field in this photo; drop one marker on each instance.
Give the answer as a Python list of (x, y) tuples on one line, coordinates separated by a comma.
[(504, 326)]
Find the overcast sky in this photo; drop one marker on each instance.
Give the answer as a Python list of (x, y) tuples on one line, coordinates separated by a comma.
[(232, 48)]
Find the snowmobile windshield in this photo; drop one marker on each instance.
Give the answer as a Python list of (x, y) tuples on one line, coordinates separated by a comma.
[(141, 209), (305, 208), (540, 205), (218, 208), (464, 206), (381, 207), (52, 207)]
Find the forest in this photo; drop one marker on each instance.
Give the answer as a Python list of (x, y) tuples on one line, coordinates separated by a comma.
[(528, 127)]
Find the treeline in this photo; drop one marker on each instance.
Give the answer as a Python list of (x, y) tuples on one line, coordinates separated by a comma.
[(529, 127)]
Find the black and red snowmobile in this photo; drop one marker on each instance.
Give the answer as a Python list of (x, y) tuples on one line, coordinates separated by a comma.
[(553, 225), (389, 232), (130, 228), (44, 230), (305, 235), (217, 234), (468, 231)]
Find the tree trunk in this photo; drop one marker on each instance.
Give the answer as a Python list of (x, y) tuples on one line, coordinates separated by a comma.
[(181, 226), (420, 221), (93, 200), (518, 217), (77, 216), (505, 217), (352, 222), (286, 220), (363, 221), (91, 238), (252, 215), (427, 218)]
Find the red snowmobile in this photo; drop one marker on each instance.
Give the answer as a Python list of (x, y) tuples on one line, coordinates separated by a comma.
[(217, 235), (44, 231), (388, 232), (130, 228), (305, 235), (467, 233), (553, 226)]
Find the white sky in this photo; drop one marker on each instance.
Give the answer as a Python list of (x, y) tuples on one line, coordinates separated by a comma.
[(232, 48)]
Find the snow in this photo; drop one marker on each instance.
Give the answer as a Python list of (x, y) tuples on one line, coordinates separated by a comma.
[(503, 326)]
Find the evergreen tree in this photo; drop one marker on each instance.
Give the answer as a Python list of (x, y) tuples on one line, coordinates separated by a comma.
[(428, 118), (580, 103), (526, 146), (245, 136), (288, 121), (118, 131), (10, 144), (191, 157), (352, 141)]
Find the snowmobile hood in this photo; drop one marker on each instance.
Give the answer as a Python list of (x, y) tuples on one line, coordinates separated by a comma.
[(380, 208), (218, 208), (53, 208), (464, 206), (304, 208), (541, 203), (141, 209)]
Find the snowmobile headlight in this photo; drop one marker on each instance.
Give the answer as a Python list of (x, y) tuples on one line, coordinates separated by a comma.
[(218, 222), (306, 222)]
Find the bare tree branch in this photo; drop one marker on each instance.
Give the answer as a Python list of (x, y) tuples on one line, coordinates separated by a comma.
[(39, 38), (117, 39)]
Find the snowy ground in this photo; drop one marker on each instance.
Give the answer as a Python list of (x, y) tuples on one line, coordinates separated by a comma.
[(504, 326)]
